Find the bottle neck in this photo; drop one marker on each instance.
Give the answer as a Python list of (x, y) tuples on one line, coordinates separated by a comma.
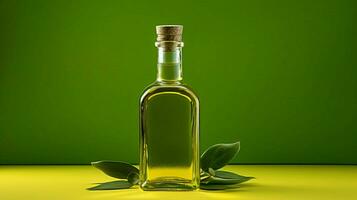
[(169, 65)]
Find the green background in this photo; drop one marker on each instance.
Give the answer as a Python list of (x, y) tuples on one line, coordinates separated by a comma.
[(280, 76)]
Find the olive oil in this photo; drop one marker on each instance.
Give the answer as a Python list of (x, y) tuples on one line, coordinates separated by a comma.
[(169, 122)]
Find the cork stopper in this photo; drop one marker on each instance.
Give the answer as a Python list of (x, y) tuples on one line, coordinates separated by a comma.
[(169, 33)]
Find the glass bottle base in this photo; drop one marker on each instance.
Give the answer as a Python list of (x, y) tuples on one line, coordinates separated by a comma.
[(168, 184)]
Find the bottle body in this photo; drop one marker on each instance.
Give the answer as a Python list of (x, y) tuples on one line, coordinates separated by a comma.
[(169, 122), (169, 137)]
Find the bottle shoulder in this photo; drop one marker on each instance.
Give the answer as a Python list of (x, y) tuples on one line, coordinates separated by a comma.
[(157, 88)]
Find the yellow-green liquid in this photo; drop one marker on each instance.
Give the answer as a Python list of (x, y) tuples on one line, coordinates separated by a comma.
[(169, 138)]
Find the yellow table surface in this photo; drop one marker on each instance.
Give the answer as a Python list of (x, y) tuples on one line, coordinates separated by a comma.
[(272, 182)]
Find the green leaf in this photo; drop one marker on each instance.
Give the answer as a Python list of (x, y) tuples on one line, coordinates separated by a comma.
[(218, 155), (133, 178), (217, 187), (224, 181), (231, 175), (225, 178), (116, 169), (113, 185)]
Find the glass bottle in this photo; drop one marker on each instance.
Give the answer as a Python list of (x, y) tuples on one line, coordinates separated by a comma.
[(169, 121)]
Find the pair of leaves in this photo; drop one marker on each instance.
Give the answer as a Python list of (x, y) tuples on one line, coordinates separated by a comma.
[(214, 158), (218, 155), (119, 170)]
